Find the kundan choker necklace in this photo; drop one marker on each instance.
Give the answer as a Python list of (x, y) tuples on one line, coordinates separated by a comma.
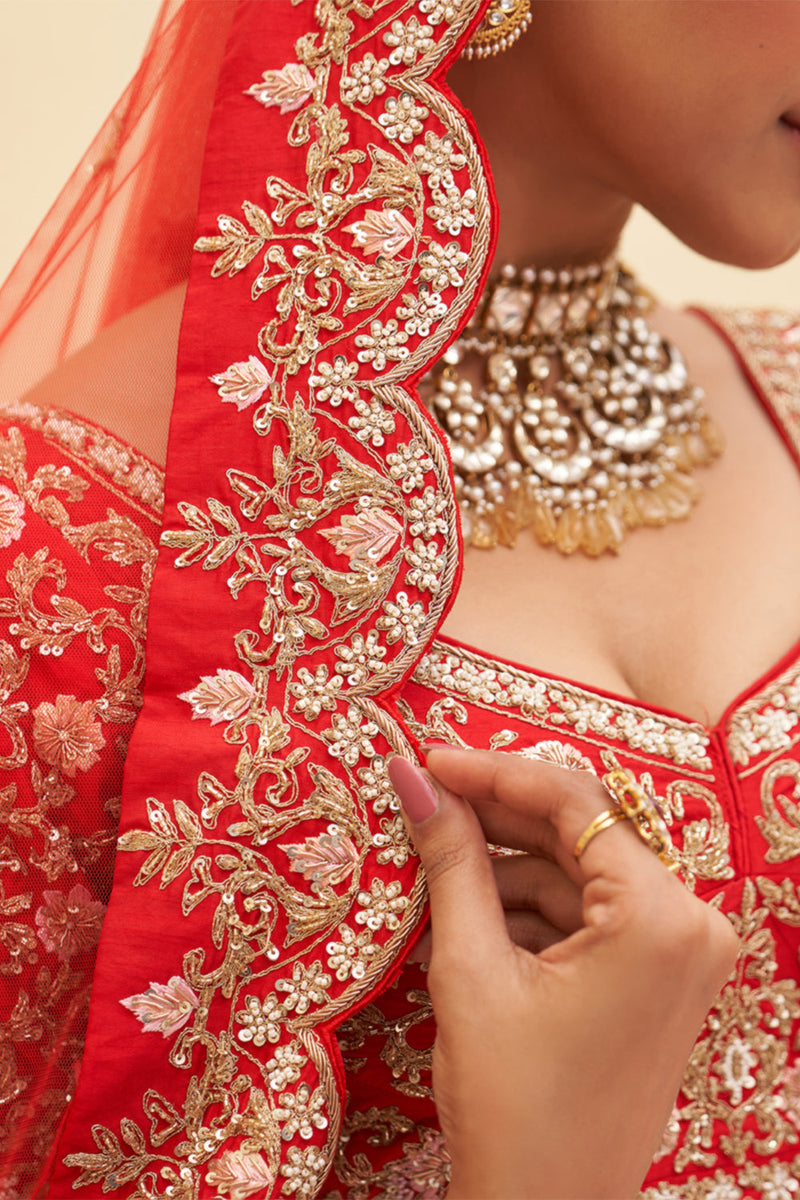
[(585, 424)]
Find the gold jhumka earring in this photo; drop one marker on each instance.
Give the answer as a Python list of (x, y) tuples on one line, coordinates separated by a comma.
[(504, 24)]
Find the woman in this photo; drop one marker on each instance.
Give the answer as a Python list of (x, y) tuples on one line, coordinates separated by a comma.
[(265, 891)]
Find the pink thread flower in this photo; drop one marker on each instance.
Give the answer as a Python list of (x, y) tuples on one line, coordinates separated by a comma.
[(69, 923), (165, 1007), (11, 523), (66, 734)]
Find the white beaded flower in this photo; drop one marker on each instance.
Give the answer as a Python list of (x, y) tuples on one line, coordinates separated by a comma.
[(285, 1066), (350, 736), (304, 1171), (362, 657), (402, 120), (392, 842), (408, 464), (301, 1112), (306, 987), (382, 905), (365, 80), (440, 265), (381, 343), (376, 790), (425, 514), (453, 210), (372, 421), (333, 384), (315, 692), (409, 41), (437, 11), (402, 620), (349, 957), (262, 1020), (419, 312), (438, 158), (427, 564)]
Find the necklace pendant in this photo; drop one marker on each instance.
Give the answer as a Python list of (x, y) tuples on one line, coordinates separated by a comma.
[(585, 425)]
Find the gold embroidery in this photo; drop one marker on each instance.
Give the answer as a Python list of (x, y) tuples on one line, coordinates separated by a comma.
[(422, 1168), (352, 555), (97, 453), (737, 1067), (558, 706), (769, 722), (47, 747), (771, 1181), (780, 824)]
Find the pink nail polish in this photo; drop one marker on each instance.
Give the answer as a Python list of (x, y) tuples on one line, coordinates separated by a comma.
[(417, 797)]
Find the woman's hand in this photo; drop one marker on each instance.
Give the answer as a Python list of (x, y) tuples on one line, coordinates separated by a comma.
[(541, 904), (554, 1074)]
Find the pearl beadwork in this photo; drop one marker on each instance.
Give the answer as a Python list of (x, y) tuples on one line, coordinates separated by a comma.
[(586, 425)]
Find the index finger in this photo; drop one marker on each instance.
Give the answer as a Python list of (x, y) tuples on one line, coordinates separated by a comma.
[(565, 800)]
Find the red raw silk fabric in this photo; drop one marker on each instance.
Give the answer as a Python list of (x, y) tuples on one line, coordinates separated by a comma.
[(310, 548)]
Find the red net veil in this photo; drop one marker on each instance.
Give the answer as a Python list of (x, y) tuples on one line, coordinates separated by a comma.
[(119, 235), (293, 421)]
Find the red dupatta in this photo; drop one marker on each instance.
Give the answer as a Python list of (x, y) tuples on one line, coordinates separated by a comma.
[(310, 550)]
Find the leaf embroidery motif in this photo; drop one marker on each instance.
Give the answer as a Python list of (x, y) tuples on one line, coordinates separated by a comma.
[(365, 536), (324, 860), (165, 1007), (379, 232), (287, 89), (221, 697), (243, 383)]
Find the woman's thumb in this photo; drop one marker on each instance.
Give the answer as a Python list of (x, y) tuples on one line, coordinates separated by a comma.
[(465, 905)]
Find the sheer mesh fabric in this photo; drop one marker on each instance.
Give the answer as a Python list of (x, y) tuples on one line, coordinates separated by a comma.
[(79, 517)]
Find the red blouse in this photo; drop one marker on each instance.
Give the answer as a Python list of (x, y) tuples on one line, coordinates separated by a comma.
[(78, 522)]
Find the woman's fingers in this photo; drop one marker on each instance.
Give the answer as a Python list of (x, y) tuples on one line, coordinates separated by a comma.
[(465, 908), (528, 884), (541, 906), (527, 930), (549, 797)]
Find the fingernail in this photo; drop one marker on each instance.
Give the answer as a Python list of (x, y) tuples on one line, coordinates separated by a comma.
[(426, 746), (417, 797)]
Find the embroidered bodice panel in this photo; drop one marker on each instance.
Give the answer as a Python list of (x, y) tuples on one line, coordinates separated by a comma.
[(732, 797), (78, 522), (79, 518)]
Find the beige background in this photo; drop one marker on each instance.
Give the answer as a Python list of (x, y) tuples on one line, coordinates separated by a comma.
[(63, 63)]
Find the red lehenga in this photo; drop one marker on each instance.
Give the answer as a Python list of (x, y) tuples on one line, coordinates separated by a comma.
[(252, 1030)]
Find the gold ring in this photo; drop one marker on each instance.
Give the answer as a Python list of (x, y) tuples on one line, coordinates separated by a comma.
[(644, 813), (603, 820)]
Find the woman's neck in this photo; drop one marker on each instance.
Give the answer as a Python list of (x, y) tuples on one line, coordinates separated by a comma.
[(554, 211)]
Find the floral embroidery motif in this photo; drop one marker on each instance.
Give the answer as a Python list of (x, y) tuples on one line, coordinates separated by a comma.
[(67, 735), (287, 89), (11, 523), (557, 705), (381, 232), (243, 383), (69, 923), (61, 756), (769, 722), (221, 697), (239, 1174), (165, 1007), (780, 824)]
